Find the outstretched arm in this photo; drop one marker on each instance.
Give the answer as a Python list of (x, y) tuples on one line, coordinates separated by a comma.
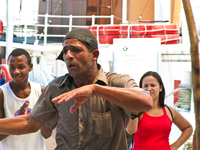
[(184, 126), (18, 125), (23, 111), (130, 99)]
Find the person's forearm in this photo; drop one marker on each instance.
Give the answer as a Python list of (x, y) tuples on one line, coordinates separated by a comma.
[(183, 137), (15, 125), (129, 99)]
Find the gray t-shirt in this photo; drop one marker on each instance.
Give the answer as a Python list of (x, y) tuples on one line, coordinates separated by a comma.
[(96, 125)]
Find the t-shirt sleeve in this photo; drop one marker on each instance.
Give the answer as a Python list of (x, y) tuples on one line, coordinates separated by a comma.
[(44, 110)]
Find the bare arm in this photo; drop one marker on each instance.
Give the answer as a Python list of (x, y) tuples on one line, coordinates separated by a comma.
[(18, 125), (184, 126), (2, 112), (194, 144), (130, 99), (132, 126)]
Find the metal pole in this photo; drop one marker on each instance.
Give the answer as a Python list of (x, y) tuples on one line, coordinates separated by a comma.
[(46, 29), (194, 42), (112, 19), (124, 11), (70, 22), (9, 27), (47, 6), (93, 20)]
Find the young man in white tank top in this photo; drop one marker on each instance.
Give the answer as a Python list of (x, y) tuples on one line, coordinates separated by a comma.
[(18, 97)]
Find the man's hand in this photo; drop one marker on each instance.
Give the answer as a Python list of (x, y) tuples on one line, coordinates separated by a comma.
[(23, 109), (79, 95)]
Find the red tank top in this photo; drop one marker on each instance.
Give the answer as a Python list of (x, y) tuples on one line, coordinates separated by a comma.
[(153, 133)]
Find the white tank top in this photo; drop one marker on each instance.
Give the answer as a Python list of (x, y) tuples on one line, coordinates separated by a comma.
[(12, 104)]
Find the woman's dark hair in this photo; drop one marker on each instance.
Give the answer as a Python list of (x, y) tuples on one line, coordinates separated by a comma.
[(157, 76), (19, 52)]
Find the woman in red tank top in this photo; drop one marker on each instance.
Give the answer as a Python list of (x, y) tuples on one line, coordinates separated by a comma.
[(151, 130)]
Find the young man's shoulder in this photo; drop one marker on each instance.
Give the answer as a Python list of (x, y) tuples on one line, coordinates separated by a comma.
[(4, 86)]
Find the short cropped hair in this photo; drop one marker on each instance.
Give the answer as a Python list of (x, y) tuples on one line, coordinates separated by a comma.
[(19, 52)]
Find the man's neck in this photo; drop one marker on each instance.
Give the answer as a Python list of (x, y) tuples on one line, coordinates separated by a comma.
[(86, 80)]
